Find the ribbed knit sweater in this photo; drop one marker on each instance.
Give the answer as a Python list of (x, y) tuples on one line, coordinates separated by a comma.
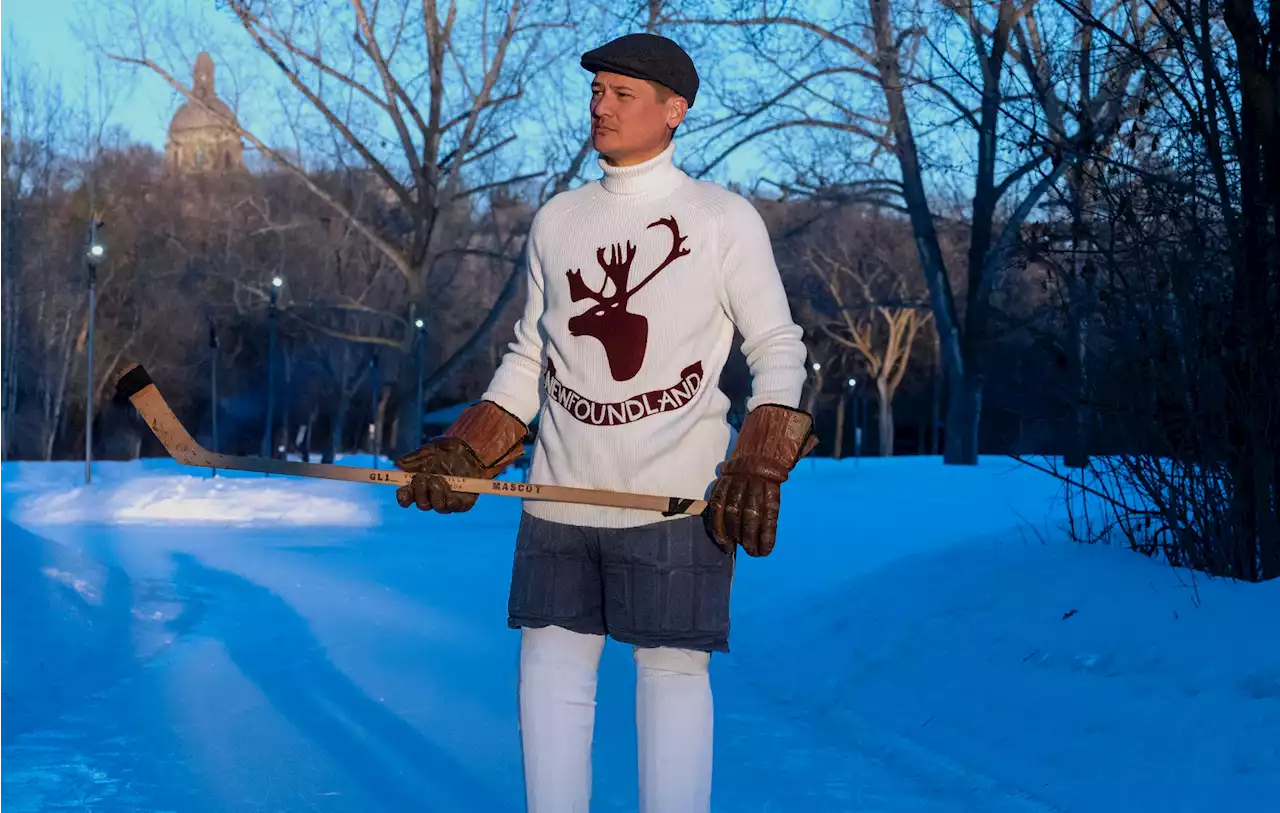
[(635, 285)]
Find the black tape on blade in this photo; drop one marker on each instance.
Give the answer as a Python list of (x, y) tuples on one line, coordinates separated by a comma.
[(676, 505), (132, 383)]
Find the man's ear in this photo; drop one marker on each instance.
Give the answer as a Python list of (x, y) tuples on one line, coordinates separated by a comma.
[(677, 107)]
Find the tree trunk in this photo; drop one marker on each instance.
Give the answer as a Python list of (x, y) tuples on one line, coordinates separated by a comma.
[(941, 298), (55, 409), (1258, 265), (935, 405), (815, 390), (964, 412), (839, 444), (1234, 554), (1077, 456), (402, 437), (885, 394), (402, 440), (9, 399), (338, 426), (11, 311), (1267, 544), (380, 421), (1270, 541), (307, 438)]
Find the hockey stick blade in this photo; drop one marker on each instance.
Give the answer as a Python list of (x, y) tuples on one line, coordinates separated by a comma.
[(136, 386)]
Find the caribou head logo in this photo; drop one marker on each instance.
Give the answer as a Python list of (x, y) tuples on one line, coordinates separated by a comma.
[(623, 334)]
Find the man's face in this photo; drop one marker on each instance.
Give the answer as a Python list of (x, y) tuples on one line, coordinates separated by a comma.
[(631, 121)]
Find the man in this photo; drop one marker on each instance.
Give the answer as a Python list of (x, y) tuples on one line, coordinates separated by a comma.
[(635, 285)]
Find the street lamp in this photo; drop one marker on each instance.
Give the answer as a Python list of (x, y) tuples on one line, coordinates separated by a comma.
[(815, 390), (276, 284), (422, 357), (94, 255)]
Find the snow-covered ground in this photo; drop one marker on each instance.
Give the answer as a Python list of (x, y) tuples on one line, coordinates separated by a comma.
[(922, 639)]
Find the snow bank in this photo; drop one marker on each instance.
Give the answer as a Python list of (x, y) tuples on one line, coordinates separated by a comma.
[(160, 492), (950, 635)]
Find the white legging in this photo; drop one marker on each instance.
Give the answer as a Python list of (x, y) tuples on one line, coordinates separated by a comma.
[(558, 671)]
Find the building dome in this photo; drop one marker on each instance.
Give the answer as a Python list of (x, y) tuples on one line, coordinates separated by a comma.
[(202, 133), (195, 116)]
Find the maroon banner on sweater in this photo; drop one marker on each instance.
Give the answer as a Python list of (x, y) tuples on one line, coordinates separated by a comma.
[(635, 408)]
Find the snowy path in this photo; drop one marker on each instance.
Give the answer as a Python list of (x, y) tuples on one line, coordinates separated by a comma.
[(340, 671)]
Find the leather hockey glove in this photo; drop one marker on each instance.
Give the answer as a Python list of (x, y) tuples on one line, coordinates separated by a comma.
[(744, 502), (483, 441)]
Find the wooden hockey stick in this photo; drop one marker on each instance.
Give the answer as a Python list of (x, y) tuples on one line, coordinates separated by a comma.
[(135, 385)]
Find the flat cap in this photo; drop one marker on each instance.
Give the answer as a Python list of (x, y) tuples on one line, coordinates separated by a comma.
[(646, 56)]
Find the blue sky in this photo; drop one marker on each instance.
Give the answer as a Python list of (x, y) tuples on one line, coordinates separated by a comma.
[(52, 36), (44, 32)]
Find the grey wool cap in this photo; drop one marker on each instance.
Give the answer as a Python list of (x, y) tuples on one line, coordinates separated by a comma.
[(646, 56)]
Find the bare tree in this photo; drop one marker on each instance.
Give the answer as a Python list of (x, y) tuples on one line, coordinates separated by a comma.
[(1188, 281), (31, 113), (426, 101), (870, 304), (52, 156), (1087, 92), (1004, 132)]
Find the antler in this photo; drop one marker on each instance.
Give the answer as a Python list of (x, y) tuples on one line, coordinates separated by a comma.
[(579, 290), (618, 269), (677, 250)]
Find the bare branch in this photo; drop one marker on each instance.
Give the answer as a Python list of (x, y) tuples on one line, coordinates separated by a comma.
[(484, 187), (783, 125), (824, 33)]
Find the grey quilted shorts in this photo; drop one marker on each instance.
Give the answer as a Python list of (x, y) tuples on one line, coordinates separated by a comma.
[(664, 584)]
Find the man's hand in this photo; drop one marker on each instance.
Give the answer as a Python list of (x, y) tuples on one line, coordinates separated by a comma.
[(481, 443), (744, 511), (444, 456), (745, 500)]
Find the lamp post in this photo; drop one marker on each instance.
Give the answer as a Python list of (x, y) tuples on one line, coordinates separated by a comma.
[(93, 256), (816, 367), (844, 403), (422, 357), (857, 426), (838, 450), (276, 284), (373, 407), (213, 381)]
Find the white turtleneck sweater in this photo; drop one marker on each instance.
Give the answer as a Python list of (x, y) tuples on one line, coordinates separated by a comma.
[(635, 285)]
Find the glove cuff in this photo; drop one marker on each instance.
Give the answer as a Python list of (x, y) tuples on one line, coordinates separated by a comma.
[(772, 441), (494, 436)]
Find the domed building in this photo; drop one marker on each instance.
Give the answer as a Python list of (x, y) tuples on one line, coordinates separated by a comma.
[(201, 140)]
